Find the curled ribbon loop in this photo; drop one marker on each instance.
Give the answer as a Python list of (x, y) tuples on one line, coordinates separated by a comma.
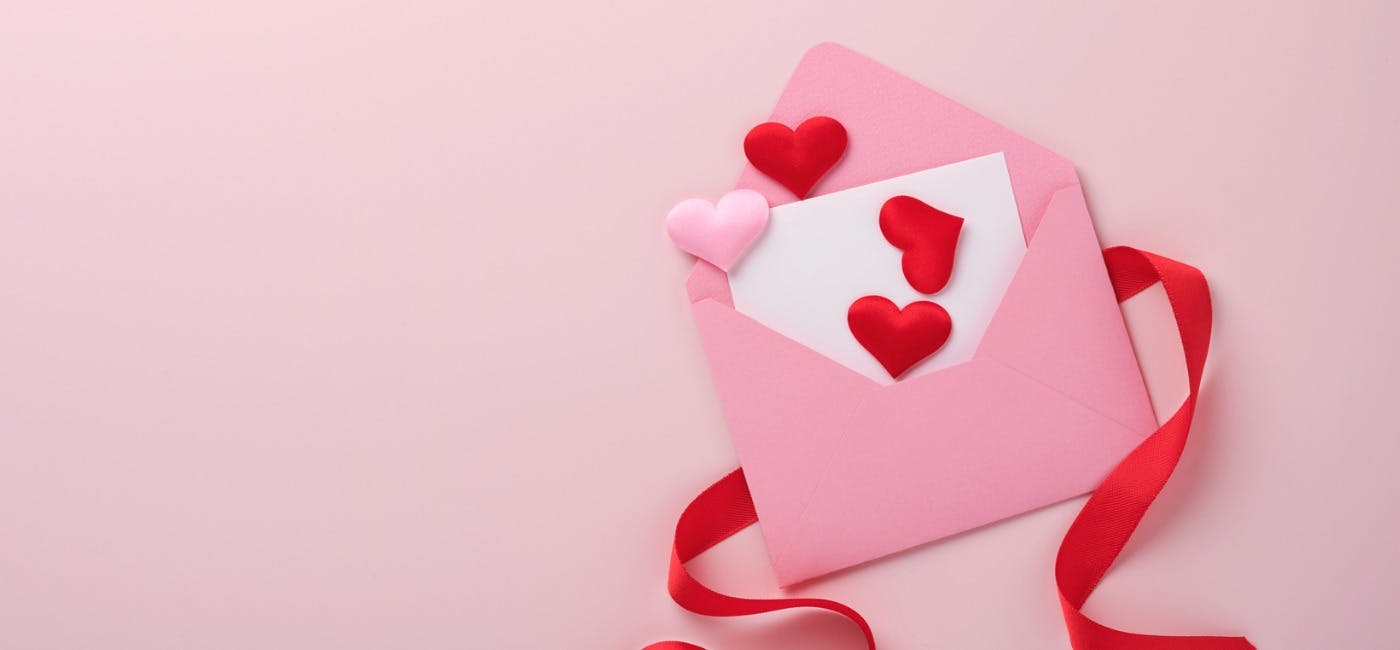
[(720, 511), (1093, 541)]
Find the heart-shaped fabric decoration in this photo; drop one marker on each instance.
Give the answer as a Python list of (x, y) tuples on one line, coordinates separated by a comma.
[(796, 159), (897, 338), (928, 236), (718, 233)]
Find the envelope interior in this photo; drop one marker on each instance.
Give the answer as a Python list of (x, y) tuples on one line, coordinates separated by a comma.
[(819, 255)]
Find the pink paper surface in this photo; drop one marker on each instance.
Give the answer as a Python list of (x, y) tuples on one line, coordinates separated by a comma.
[(353, 326)]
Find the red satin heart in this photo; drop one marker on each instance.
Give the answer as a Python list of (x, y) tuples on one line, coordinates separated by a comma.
[(899, 338), (928, 236), (796, 159)]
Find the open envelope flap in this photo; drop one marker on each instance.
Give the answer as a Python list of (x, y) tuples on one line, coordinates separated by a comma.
[(897, 126), (948, 452), (1060, 324)]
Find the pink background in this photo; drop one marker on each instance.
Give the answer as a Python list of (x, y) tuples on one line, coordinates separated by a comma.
[(330, 325)]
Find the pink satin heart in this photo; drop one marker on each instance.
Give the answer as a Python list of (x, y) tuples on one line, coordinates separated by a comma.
[(718, 233)]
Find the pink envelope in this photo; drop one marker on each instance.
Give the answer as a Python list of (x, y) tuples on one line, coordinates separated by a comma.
[(844, 470)]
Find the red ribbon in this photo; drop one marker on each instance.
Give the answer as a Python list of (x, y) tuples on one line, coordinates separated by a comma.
[(1093, 541)]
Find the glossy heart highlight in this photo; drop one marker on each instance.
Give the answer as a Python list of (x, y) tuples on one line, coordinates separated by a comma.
[(796, 159), (898, 338), (928, 236)]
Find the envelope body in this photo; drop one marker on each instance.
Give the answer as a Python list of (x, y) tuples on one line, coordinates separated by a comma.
[(844, 470)]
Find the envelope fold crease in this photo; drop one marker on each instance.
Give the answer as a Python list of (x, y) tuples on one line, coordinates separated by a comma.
[(1060, 323)]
